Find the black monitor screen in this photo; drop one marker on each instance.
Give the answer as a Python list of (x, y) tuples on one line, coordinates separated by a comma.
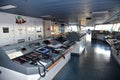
[(46, 42)]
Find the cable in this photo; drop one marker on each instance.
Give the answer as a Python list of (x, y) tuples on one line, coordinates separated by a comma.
[(39, 70), (35, 62)]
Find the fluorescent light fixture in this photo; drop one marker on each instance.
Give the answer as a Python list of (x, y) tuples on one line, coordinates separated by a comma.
[(7, 7), (99, 12), (46, 16)]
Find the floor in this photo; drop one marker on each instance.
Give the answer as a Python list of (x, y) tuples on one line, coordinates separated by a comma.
[(96, 63)]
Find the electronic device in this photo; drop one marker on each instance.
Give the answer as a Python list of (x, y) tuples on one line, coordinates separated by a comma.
[(46, 42), (23, 59), (60, 39), (43, 50), (27, 59)]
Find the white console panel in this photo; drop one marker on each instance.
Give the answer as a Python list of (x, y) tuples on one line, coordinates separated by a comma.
[(8, 74)]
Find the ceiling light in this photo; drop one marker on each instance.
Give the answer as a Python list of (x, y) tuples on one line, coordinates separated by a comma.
[(46, 16), (99, 12), (7, 7)]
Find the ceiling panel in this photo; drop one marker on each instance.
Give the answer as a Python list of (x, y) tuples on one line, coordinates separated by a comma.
[(62, 9)]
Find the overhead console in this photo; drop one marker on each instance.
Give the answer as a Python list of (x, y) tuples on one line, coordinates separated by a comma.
[(34, 59)]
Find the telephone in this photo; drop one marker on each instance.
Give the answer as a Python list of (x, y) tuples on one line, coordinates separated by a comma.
[(33, 59)]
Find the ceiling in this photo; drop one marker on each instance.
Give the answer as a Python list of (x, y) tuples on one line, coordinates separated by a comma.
[(99, 11)]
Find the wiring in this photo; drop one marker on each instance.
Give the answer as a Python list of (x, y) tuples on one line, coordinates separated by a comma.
[(42, 74)]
